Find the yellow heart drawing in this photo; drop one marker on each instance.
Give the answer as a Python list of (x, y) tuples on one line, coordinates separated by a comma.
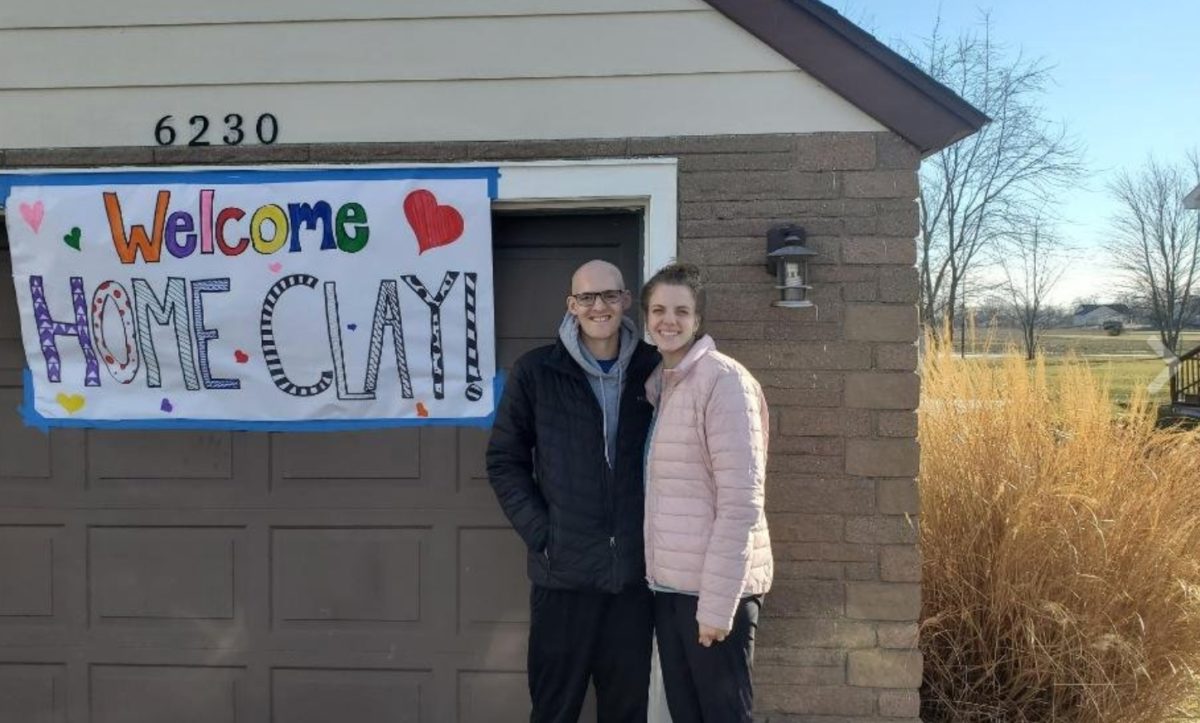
[(70, 402)]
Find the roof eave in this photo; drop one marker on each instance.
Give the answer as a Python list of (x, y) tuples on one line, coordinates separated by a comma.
[(856, 66)]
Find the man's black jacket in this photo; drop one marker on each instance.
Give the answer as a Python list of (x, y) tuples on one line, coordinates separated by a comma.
[(581, 521)]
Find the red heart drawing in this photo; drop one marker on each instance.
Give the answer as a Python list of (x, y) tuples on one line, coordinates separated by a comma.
[(240, 356), (434, 225), (33, 213)]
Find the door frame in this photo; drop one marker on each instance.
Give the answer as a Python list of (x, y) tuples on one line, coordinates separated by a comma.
[(646, 184)]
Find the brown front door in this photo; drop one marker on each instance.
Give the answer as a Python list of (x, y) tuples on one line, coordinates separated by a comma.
[(217, 577)]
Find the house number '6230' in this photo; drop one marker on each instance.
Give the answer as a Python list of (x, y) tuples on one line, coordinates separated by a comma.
[(266, 129)]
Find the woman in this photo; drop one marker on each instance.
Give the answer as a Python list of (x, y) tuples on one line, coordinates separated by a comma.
[(708, 555)]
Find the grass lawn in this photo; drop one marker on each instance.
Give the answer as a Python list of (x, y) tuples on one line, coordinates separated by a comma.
[(1082, 342), (1125, 375), (1129, 361)]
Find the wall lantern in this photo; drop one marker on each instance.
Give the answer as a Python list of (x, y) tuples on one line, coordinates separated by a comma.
[(787, 258)]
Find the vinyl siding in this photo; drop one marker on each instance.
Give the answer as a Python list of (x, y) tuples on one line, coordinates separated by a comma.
[(73, 74)]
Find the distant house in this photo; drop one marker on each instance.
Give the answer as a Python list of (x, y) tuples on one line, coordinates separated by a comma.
[(1192, 200), (1097, 314)]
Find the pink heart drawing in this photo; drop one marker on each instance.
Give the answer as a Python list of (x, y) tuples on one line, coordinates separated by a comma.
[(434, 225), (275, 266), (33, 213)]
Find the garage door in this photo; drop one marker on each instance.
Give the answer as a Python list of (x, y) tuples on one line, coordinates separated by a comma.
[(219, 577)]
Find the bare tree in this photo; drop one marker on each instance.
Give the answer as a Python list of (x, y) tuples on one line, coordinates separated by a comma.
[(1157, 242), (1138, 304), (1033, 262), (1057, 316), (973, 191)]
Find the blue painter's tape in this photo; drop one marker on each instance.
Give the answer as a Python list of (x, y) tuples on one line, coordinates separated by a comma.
[(33, 418), (244, 177)]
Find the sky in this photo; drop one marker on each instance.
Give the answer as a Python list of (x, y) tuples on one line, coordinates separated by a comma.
[(1126, 82)]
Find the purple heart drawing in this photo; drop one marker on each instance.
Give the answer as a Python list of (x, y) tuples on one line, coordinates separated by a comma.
[(351, 327), (166, 405)]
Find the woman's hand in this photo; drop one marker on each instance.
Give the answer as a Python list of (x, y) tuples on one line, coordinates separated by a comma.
[(708, 635)]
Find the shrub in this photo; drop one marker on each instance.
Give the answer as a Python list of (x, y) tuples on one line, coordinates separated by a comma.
[(1061, 548)]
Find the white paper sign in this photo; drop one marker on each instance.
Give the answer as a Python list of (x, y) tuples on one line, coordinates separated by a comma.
[(263, 299)]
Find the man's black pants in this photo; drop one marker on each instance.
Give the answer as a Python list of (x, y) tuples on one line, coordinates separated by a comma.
[(578, 635), (705, 685)]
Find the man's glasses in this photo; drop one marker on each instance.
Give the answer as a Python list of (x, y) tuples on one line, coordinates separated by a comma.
[(610, 297)]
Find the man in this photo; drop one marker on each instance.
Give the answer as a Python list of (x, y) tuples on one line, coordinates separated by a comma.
[(566, 459)]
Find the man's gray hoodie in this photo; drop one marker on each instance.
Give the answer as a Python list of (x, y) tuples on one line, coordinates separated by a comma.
[(606, 385)]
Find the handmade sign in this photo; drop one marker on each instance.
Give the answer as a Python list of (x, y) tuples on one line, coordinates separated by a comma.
[(265, 299)]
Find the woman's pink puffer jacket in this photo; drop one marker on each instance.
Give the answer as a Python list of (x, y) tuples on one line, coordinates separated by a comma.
[(706, 531)]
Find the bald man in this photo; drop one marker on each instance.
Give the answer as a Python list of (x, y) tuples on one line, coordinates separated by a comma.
[(566, 459)]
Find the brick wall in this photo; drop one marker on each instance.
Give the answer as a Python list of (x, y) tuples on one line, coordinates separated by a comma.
[(838, 642)]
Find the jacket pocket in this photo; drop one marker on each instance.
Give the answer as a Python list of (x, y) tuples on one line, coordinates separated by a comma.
[(548, 550)]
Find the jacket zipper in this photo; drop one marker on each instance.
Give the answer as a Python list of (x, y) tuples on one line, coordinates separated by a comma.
[(662, 403), (610, 477), (624, 400), (646, 492), (609, 473)]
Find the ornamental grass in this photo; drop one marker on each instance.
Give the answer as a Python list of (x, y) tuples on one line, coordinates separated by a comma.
[(1061, 543)]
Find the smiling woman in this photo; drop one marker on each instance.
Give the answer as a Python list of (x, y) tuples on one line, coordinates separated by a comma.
[(708, 552), (674, 312)]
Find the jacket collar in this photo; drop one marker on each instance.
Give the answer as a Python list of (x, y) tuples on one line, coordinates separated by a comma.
[(644, 358), (703, 346), (571, 337), (560, 358)]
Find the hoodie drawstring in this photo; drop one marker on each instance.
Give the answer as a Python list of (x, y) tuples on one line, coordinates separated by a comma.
[(604, 417), (604, 412), (569, 335)]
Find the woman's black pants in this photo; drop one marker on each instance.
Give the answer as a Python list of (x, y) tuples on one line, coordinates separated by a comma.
[(705, 685)]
